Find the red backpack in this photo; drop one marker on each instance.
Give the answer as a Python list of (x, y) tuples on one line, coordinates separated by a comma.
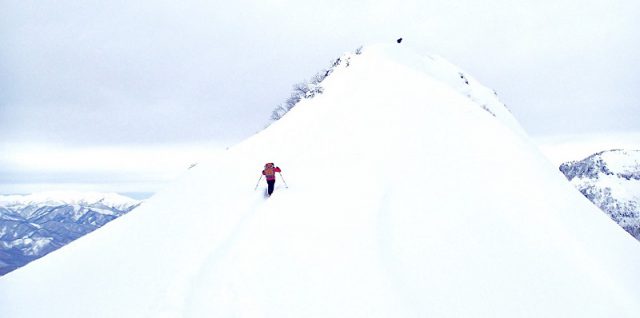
[(269, 171)]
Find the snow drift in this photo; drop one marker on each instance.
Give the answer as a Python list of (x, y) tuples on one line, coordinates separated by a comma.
[(412, 193)]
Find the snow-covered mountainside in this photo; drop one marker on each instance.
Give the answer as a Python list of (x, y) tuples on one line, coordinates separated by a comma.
[(34, 225), (611, 180), (432, 65), (406, 198)]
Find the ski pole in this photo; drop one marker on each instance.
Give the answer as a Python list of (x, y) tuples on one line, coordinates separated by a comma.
[(285, 183), (257, 184)]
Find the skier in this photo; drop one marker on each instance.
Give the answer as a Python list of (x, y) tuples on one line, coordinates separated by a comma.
[(270, 174)]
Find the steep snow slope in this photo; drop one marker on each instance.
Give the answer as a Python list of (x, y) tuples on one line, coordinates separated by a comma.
[(405, 199)]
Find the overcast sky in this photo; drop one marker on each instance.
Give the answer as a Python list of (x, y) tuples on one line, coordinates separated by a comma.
[(81, 77)]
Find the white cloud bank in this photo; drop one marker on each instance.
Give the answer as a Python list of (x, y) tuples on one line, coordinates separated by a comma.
[(39, 167), (565, 148)]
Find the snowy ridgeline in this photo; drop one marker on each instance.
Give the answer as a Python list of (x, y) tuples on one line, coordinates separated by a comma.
[(431, 65), (412, 192), (611, 180), (32, 226), (313, 87)]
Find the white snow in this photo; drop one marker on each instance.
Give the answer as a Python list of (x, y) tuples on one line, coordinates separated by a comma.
[(622, 161), (406, 198)]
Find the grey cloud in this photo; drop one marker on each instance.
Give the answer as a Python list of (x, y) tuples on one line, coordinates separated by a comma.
[(97, 72)]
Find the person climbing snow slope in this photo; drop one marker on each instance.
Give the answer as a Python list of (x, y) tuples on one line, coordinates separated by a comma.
[(270, 174)]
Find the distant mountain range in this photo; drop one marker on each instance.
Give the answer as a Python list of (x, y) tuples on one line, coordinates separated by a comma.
[(32, 226), (611, 180)]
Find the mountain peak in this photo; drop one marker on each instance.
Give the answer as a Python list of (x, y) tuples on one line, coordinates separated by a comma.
[(383, 57), (611, 180), (405, 198)]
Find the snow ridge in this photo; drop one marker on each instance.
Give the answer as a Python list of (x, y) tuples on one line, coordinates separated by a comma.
[(453, 76), (313, 87), (431, 65)]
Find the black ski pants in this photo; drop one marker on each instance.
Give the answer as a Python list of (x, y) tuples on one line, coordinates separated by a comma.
[(270, 184)]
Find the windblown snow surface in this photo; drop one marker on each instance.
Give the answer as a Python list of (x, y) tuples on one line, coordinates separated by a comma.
[(410, 194)]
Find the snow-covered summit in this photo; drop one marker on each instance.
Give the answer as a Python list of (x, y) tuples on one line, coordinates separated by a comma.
[(440, 69), (431, 65), (406, 198)]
